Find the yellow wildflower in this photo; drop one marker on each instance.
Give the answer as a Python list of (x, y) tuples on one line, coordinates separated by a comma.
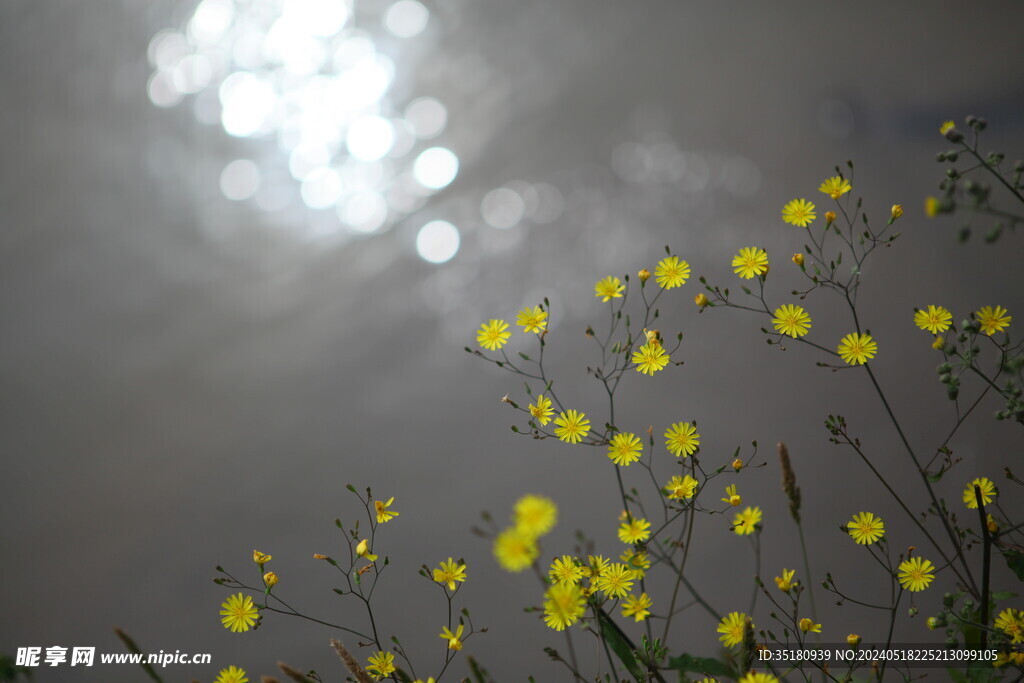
[(493, 334), (835, 187), (609, 288), (449, 572), (572, 426), (672, 272), (799, 212)]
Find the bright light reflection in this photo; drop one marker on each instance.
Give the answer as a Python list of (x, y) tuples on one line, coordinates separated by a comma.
[(435, 168), (298, 73), (240, 179), (406, 18), (437, 241), (370, 138), (502, 208)]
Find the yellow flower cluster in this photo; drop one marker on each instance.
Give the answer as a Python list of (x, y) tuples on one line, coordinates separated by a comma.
[(516, 547), (494, 333)]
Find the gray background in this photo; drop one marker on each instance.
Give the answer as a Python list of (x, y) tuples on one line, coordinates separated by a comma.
[(185, 378)]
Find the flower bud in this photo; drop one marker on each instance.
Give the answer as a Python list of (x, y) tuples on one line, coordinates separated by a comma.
[(261, 558), (830, 217), (853, 640), (798, 259), (701, 300), (737, 464), (949, 130), (897, 211), (270, 578), (992, 524), (931, 207), (936, 623), (318, 556), (644, 274)]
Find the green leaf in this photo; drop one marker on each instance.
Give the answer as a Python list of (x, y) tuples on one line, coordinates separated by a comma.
[(618, 643), (478, 672), (1015, 561), (700, 665)]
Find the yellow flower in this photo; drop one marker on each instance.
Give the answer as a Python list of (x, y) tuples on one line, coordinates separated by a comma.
[(635, 530), (572, 426), (533, 319), (934, 319), (597, 565), (239, 614), (853, 640), (988, 492), (830, 217), (731, 627), (493, 334), (565, 569), (363, 550), (758, 677), (865, 528), (515, 550), (938, 342), (798, 259), (915, 574), (671, 272), (992, 524), (637, 560), (786, 582), (701, 300), (449, 572), (261, 558), (737, 464), (745, 523), (679, 488), (430, 679), (616, 581), (1004, 658), (535, 515), (799, 212), (454, 639), (232, 674), (946, 127), (1011, 622), (541, 410), (624, 449), (383, 513), (750, 262), (792, 320), (650, 358), (835, 187), (808, 626), (896, 212), (931, 207), (270, 579), (644, 275), (992, 319), (682, 439), (381, 664), (563, 605), (857, 349), (638, 607), (609, 288), (731, 497)]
